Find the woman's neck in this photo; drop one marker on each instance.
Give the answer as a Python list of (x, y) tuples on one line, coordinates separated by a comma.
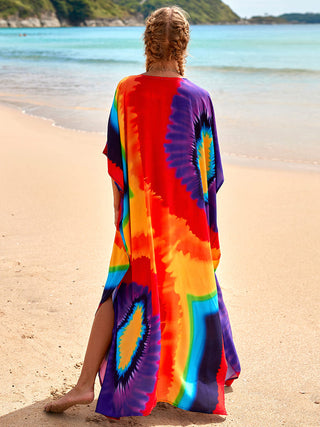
[(162, 73), (164, 69)]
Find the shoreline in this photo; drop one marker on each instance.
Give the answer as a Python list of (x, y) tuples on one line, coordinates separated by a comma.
[(35, 22), (230, 158), (55, 243)]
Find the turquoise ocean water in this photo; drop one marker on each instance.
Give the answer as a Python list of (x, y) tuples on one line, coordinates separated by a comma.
[(264, 81)]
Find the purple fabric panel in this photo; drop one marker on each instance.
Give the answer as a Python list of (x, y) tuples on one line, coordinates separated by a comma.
[(229, 347)]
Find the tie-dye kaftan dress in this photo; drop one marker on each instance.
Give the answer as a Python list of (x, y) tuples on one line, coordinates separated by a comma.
[(171, 339)]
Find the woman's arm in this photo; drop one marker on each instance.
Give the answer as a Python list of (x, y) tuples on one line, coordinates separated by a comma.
[(116, 202)]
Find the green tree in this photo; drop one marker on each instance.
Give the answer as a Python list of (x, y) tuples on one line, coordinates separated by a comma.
[(80, 10), (62, 8)]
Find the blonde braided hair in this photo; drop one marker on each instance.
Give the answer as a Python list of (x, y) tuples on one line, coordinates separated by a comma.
[(166, 38)]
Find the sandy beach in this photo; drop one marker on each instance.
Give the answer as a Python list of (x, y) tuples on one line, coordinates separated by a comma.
[(56, 223)]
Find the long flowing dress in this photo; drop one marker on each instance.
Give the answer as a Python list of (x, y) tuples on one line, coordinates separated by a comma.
[(171, 340)]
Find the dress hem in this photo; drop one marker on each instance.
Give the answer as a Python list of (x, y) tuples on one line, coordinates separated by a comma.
[(222, 413)]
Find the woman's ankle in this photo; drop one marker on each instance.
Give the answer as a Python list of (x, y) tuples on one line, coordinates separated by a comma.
[(85, 385)]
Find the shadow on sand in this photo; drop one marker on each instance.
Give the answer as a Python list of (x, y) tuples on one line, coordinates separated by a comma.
[(82, 415)]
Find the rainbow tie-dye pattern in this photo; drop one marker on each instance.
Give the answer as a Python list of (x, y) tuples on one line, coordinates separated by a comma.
[(172, 340)]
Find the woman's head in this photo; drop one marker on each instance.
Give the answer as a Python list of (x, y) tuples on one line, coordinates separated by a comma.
[(166, 38)]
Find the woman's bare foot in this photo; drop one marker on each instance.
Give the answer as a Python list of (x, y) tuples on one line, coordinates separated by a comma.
[(76, 396)]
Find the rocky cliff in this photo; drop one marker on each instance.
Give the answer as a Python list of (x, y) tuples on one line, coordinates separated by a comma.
[(56, 13)]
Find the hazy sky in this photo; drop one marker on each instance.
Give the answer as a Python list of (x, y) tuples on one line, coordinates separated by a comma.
[(272, 7)]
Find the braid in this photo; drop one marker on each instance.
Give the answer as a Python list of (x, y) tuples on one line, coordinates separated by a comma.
[(181, 66), (166, 37)]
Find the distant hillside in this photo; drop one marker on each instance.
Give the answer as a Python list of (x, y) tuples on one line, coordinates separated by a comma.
[(74, 11), (302, 18), (24, 8), (286, 18), (266, 19), (79, 12), (200, 11)]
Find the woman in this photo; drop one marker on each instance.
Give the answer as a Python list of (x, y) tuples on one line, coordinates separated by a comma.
[(161, 332)]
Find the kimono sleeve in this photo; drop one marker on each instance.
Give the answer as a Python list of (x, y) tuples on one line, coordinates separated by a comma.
[(216, 170), (113, 149), (215, 180)]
